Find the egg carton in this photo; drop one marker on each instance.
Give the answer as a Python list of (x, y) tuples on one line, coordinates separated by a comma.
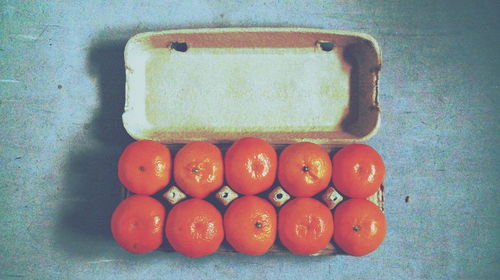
[(284, 85)]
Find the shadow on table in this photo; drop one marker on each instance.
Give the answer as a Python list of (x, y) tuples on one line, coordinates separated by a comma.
[(91, 186), (92, 189)]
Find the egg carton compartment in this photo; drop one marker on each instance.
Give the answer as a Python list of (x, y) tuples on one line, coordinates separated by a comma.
[(276, 195)]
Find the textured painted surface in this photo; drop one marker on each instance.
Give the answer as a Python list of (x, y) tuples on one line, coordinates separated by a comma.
[(61, 98)]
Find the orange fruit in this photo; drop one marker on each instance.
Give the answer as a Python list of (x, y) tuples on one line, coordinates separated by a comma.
[(304, 169), (360, 226), (144, 167), (198, 169), (250, 165), (305, 226), (194, 228), (358, 171), (137, 224), (250, 225)]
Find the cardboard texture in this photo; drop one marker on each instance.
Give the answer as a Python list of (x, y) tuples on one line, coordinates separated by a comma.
[(284, 85)]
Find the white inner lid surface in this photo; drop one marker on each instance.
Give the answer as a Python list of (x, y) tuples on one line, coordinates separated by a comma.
[(233, 90), (277, 84)]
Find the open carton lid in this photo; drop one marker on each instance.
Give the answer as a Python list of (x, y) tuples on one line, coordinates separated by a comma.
[(284, 85)]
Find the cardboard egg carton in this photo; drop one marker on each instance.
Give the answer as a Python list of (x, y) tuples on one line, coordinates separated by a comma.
[(284, 85)]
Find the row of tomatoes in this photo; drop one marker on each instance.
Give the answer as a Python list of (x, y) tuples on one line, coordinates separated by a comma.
[(250, 166), (250, 224)]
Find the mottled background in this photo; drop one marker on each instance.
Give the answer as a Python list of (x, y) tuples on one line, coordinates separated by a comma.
[(62, 94)]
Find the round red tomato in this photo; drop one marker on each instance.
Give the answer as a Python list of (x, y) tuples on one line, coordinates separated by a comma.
[(137, 224), (360, 226), (358, 170), (250, 165)]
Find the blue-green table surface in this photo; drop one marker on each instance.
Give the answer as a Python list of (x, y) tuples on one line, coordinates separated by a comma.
[(61, 99)]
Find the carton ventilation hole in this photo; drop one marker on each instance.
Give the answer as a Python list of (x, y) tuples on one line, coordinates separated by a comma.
[(179, 46), (326, 45)]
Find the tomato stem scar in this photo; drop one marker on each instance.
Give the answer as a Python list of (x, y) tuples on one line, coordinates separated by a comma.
[(305, 168), (356, 228), (195, 170), (258, 225), (141, 168)]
